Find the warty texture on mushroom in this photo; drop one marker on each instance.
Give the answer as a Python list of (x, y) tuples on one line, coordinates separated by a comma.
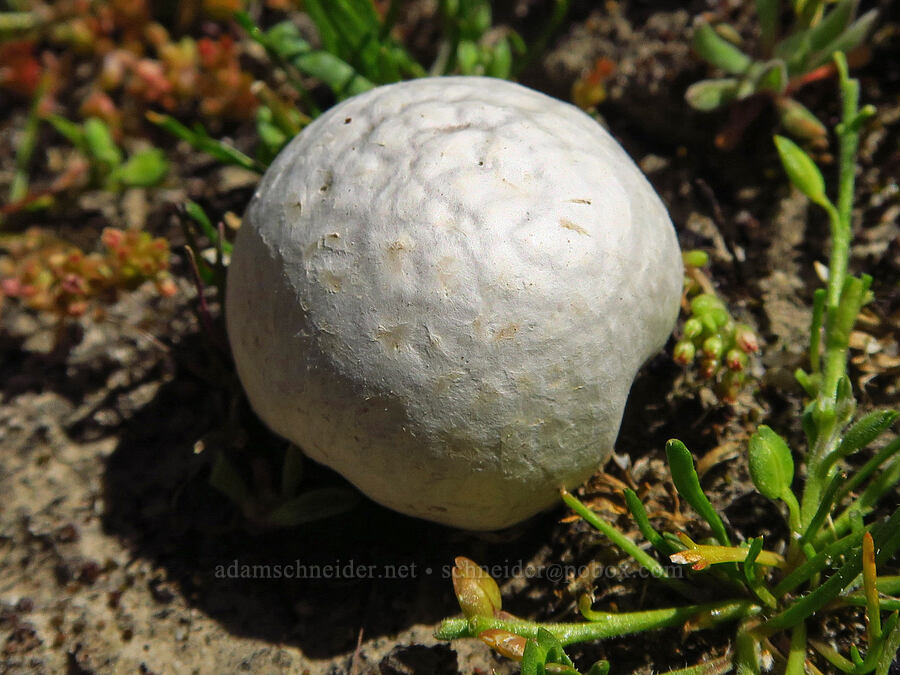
[(444, 288)]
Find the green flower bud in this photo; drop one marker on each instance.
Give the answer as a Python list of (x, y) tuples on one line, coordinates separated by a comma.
[(709, 323), (706, 302), (695, 258), (736, 360), (771, 464), (713, 346), (731, 386), (684, 352), (693, 327), (477, 593), (720, 316), (708, 367), (746, 339)]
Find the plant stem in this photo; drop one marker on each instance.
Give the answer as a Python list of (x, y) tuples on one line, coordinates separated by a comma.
[(838, 299), (797, 655), (608, 626)]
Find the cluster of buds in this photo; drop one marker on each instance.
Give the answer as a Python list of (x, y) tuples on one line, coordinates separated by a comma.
[(48, 274), (711, 336)]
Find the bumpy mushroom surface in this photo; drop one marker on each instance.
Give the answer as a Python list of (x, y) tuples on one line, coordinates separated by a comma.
[(444, 288)]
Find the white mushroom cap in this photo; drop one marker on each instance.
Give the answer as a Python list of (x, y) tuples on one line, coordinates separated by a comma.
[(444, 288)]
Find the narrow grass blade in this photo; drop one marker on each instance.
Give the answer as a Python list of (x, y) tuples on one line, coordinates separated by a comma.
[(684, 475), (200, 140), (624, 543), (851, 38), (639, 513), (312, 506), (887, 539), (862, 474)]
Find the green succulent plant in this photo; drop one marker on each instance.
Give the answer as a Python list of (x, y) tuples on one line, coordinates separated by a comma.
[(785, 63)]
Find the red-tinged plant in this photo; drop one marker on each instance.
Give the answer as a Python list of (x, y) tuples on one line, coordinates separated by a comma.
[(20, 70), (224, 88), (48, 274)]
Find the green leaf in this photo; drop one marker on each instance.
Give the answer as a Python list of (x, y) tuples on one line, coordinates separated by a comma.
[(798, 120), (551, 644), (833, 24), (801, 170), (718, 51), (343, 25), (794, 50), (225, 478), (887, 539), (809, 382), (773, 77), (271, 139), (339, 75), (747, 651), (864, 432), (533, 659), (100, 143), (808, 12), (826, 502), (283, 41), (767, 12), (71, 131), (711, 94), (599, 668), (860, 475), (467, 57), (684, 475), (890, 647), (771, 464), (500, 64), (752, 575), (144, 168), (352, 31), (846, 41), (200, 140), (639, 513), (311, 506), (198, 215), (817, 563)]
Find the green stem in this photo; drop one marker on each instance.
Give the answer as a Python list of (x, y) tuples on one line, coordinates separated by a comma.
[(607, 626), (797, 655), (838, 299)]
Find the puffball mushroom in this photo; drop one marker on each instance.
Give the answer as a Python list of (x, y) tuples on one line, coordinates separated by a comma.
[(444, 288)]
